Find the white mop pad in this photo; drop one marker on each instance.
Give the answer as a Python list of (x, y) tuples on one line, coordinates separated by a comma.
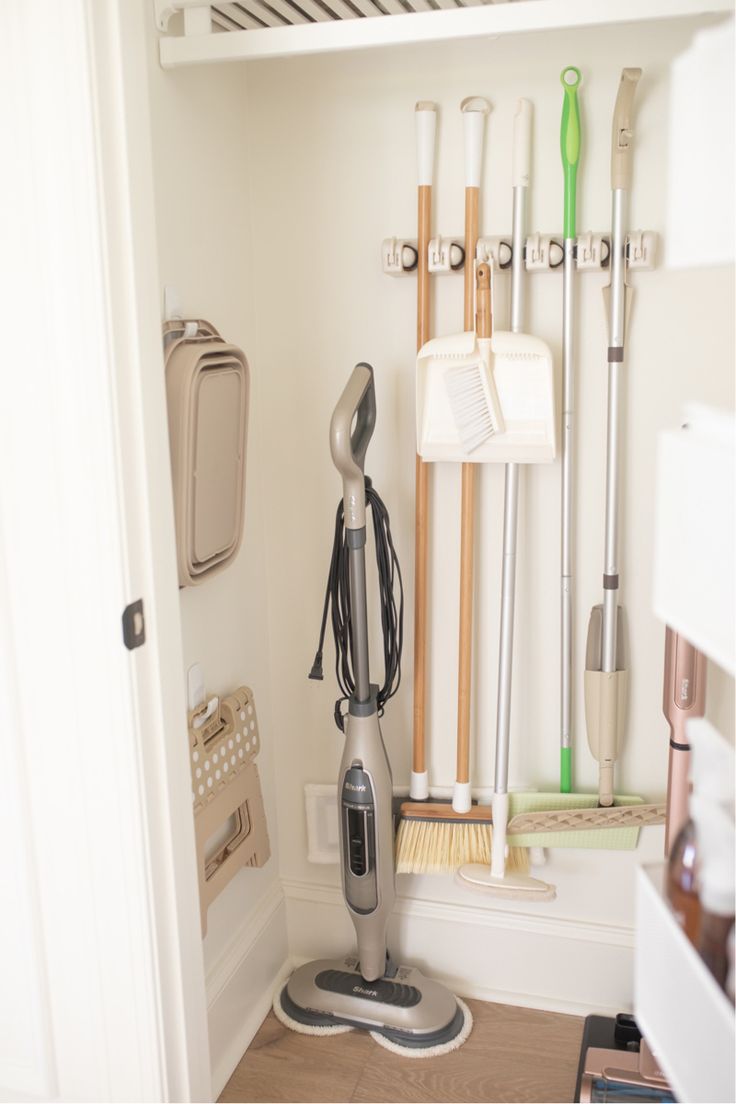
[(389, 1044), (435, 1051), (303, 1029)]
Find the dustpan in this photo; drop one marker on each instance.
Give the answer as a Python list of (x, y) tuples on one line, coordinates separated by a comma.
[(521, 368)]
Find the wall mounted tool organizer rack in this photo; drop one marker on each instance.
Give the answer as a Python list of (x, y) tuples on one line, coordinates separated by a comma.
[(542, 253), (229, 815), (214, 32)]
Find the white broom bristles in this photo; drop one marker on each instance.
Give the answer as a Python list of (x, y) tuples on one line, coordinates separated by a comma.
[(442, 846)]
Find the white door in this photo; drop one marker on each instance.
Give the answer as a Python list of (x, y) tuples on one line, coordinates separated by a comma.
[(101, 979)]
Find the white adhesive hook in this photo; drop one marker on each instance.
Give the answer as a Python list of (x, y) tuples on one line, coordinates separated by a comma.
[(173, 311), (210, 710), (195, 687)]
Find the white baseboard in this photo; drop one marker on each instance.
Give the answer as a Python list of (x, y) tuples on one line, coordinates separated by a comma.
[(545, 962), (241, 984)]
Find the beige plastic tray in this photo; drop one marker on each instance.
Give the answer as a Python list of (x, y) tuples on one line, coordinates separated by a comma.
[(207, 389)]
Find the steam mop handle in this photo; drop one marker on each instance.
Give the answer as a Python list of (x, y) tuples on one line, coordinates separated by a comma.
[(349, 443)]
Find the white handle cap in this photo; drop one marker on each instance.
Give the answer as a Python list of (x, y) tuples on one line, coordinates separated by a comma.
[(474, 109), (426, 121), (462, 800), (522, 144), (419, 786)]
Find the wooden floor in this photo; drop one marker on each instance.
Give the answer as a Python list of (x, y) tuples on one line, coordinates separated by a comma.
[(513, 1054)]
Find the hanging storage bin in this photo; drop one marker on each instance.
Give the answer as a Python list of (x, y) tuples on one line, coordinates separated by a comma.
[(207, 388)]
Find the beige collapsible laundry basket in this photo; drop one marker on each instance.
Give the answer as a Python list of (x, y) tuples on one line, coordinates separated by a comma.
[(207, 388), (226, 793)]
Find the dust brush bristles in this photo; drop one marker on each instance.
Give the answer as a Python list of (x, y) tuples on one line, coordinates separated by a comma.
[(474, 404), (440, 847)]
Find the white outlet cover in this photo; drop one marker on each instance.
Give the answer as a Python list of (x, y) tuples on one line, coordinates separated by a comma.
[(323, 842)]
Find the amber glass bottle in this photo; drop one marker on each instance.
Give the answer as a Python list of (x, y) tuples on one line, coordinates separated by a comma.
[(682, 888)]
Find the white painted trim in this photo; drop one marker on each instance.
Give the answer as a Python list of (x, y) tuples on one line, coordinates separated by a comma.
[(245, 975), (483, 952), (434, 26), (226, 965), (118, 79), (452, 913)]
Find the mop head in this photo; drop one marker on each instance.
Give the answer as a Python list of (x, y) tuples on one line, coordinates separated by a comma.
[(382, 1040), (511, 886), (430, 1051), (303, 1028), (432, 846)]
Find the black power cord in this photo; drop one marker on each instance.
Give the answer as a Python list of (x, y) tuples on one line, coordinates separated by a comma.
[(337, 596)]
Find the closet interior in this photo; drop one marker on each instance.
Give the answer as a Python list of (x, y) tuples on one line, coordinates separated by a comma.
[(283, 157)]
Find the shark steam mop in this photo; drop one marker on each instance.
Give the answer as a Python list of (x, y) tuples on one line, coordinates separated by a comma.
[(403, 1010)]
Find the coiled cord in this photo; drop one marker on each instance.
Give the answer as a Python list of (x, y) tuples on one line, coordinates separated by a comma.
[(337, 596)]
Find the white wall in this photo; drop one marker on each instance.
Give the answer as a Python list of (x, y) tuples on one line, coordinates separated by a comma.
[(332, 174), (202, 162)]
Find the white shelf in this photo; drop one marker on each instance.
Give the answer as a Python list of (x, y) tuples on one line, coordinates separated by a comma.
[(685, 1017), (315, 30), (695, 534)]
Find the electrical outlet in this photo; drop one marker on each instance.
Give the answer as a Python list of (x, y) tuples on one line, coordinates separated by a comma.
[(323, 841)]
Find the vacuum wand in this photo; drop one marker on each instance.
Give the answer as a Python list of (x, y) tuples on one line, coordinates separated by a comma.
[(683, 698)]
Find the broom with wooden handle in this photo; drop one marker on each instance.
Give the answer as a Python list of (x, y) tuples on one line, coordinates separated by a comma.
[(426, 126), (447, 837), (474, 110)]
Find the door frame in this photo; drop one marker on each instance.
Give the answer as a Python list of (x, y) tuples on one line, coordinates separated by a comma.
[(100, 770)]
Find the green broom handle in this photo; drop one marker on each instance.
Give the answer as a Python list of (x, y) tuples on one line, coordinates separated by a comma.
[(570, 143), (570, 148)]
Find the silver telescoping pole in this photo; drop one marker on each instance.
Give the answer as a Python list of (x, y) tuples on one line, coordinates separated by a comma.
[(510, 515), (615, 365)]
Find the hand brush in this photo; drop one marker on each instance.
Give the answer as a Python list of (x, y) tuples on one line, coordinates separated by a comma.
[(433, 839)]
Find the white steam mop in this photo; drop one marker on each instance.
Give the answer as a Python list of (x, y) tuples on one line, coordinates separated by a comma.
[(403, 1010), (496, 879)]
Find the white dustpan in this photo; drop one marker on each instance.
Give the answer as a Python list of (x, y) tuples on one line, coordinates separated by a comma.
[(521, 367)]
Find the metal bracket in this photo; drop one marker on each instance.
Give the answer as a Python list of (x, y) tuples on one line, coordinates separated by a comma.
[(197, 15)]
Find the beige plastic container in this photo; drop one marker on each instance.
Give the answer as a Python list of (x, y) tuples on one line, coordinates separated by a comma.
[(226, 794), (207, 389)]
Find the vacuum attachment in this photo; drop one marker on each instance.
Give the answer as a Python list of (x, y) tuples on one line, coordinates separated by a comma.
[(207, 390), (229, 815), (515, 368), (606, 698)]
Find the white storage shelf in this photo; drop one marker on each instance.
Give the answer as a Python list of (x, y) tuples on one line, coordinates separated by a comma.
[(254, 29), (686, 1018)]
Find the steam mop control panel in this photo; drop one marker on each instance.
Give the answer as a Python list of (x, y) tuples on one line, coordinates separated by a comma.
[(359, 840)]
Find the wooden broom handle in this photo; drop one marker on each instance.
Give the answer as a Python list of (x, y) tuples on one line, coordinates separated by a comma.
[(467, 522), (483, 316), (421, 535)]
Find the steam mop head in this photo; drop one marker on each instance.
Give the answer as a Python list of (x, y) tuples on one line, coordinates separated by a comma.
[(304, 1028), (389, 1044), (433, 839), (431, 1051)]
